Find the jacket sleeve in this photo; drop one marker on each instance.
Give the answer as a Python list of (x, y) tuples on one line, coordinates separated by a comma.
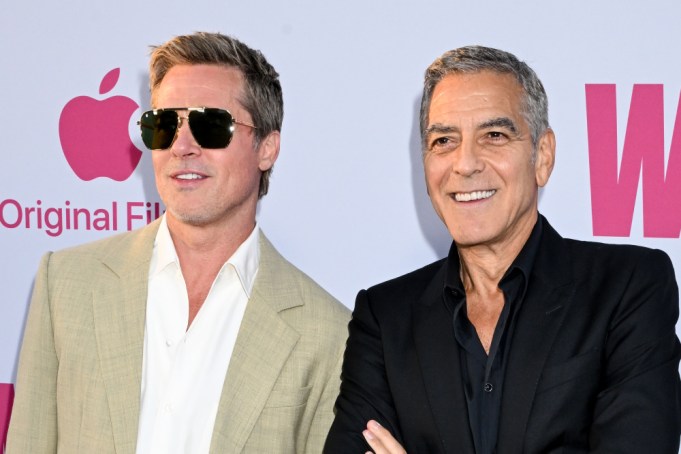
[(364, 391), (324, 413), (638, 408), (33, 424)]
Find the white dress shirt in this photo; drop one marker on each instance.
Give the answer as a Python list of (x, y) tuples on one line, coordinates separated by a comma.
[(184, 369)]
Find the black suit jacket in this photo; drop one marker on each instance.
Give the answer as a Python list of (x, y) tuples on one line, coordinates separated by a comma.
[(593, 364)]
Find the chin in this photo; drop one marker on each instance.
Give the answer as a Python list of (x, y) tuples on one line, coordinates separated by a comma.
[(191, 218), (470, 238)]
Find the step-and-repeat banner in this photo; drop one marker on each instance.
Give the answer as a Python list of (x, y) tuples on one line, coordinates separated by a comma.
[(347, 202)]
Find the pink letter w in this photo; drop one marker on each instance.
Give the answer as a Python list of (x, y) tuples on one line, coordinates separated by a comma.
[(613, 194)]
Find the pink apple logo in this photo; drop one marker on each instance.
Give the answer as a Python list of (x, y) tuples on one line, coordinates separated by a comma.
[(94, 134), (6, 399)]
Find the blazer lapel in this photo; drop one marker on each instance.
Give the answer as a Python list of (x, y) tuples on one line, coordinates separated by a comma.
[(119, 306), (439, 360), (541, 316), (263, 344)]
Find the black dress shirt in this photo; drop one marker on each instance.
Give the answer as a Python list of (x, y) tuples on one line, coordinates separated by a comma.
[(483, 374)]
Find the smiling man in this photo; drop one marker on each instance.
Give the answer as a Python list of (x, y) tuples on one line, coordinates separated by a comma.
[(520, 341), (191, 335)]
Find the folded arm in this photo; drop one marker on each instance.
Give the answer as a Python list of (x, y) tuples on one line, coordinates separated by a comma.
[(365, 393), (639, 406)]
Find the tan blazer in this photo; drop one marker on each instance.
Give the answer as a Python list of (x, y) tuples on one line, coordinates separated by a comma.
[(79, 377)]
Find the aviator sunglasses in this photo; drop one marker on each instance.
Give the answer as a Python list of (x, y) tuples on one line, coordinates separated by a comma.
[(210, 126)]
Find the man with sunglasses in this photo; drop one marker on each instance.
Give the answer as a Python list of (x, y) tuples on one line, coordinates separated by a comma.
[(191, 335), (520, 341)]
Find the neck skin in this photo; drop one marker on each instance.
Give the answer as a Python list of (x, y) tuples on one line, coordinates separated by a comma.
[(213, 242), (483, 266), (203, 250)]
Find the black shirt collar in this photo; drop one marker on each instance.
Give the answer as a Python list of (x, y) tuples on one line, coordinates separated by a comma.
[(522, 264)]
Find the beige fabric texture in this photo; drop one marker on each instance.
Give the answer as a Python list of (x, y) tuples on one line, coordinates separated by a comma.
[(79, 377)]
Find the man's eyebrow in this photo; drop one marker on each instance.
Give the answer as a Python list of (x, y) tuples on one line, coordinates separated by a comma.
[(440, 128), (499, 122)]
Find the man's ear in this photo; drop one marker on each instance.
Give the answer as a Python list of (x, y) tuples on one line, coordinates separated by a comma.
[(545, 158), (268, 150)]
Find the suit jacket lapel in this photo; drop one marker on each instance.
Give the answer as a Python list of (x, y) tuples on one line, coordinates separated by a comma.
[(542, 313), (263, 344), (439, 360), (119, 306)]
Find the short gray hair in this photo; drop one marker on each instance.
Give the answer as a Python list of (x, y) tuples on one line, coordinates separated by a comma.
[(473, 59), (263, 98)]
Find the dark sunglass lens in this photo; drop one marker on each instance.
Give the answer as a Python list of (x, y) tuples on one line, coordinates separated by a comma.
[(211, 128), (158, 129)]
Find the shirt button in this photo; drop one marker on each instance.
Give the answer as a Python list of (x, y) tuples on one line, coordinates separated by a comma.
[(169, 342), (488, 387)]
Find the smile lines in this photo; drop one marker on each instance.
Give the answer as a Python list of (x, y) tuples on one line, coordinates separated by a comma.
[(475, 195)]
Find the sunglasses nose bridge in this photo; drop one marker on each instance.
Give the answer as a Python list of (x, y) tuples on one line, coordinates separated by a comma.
[(180, 146), (181, 120)]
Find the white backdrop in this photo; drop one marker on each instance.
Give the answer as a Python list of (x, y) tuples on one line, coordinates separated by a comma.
[(347, 202)]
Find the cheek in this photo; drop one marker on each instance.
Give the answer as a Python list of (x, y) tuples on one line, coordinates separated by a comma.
[(517, 174), (239, 171), (523, 188), (157, 162), (436, 172)]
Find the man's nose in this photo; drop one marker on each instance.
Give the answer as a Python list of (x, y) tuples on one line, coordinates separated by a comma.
[(184, 143), (466, 160)]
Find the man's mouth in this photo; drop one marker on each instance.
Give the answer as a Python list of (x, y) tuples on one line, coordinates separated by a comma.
[(472, 196), (189, 176)]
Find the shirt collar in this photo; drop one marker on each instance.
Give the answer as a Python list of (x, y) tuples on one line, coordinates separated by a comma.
[(523, 262), (245, 260), (525, 259)]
